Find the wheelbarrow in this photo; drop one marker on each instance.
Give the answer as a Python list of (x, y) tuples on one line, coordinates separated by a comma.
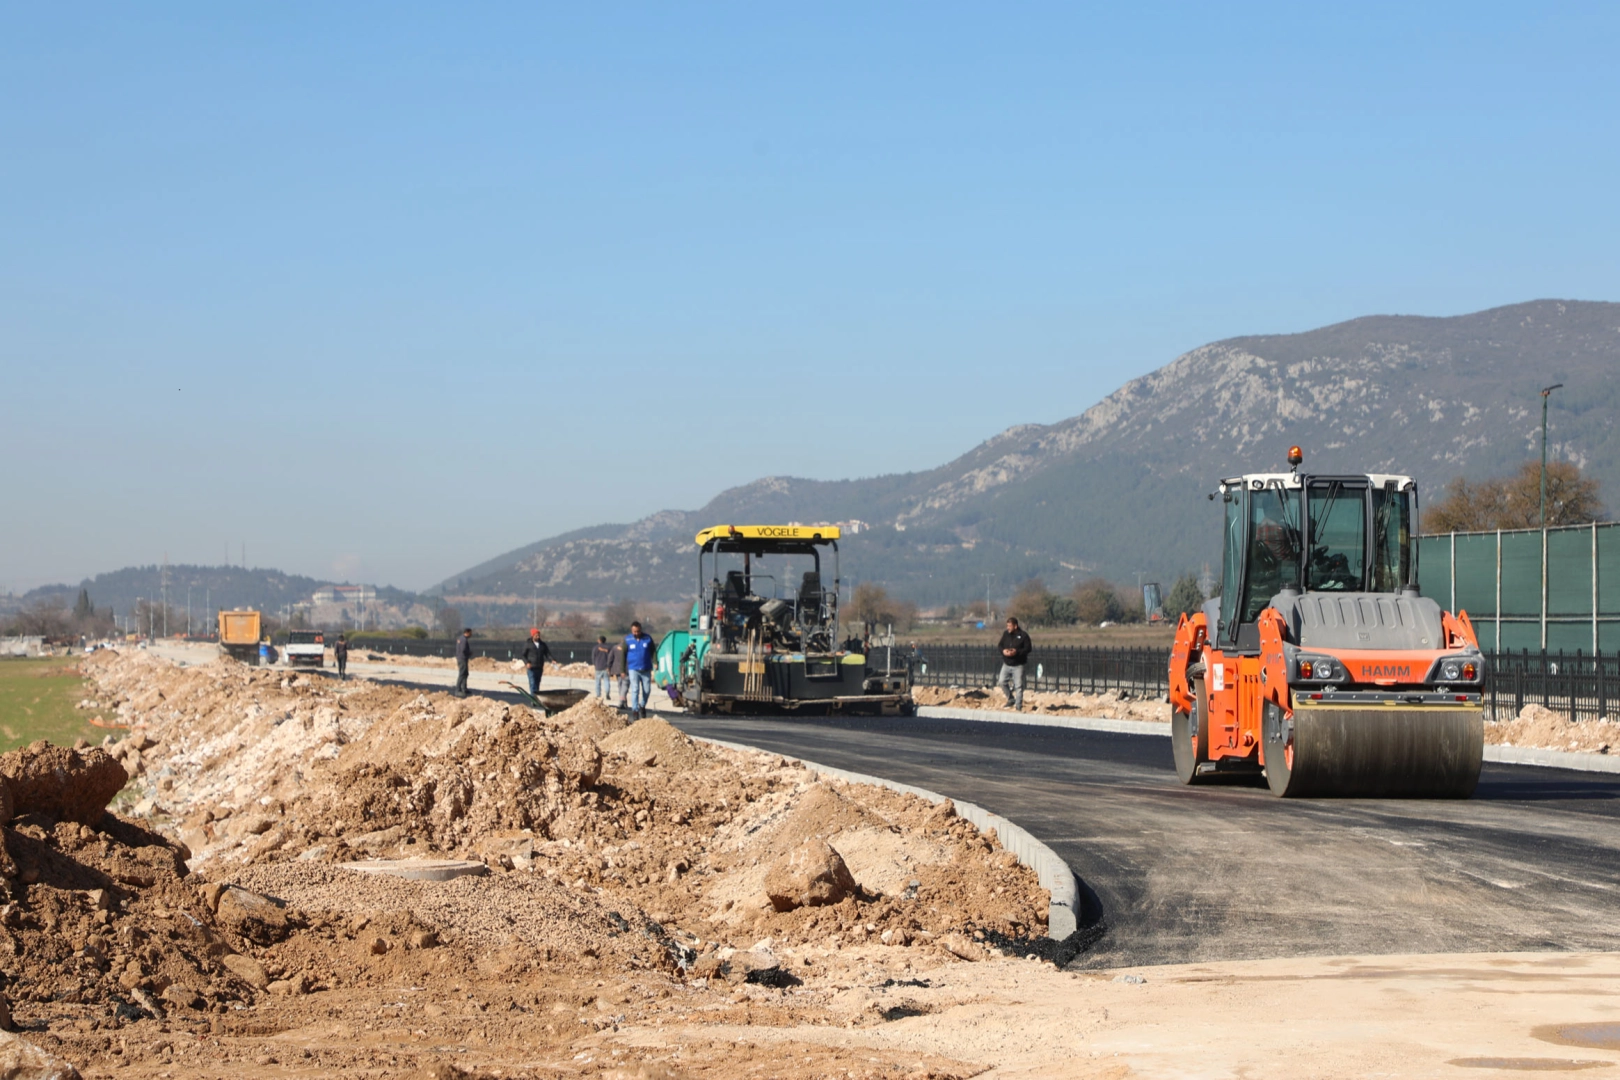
[(549, 701)]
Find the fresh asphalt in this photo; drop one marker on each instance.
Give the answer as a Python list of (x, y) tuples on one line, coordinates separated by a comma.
[(1171, 874)]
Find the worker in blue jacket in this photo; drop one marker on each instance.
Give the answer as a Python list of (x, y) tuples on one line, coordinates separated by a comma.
[(640, 653)]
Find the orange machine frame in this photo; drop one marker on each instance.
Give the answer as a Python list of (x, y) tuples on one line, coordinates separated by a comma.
[(1237, 687)]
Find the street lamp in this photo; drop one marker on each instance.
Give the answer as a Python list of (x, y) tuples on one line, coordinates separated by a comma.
[(1545, 393)]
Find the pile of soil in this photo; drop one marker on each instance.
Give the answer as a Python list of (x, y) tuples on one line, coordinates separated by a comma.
[(1109, 705), (627, 884), (1539, 727)]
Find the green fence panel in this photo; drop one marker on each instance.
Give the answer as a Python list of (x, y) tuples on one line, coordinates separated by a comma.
[(1569, 574), (1569, 637), (1521, 635), (1609, 569), (1434, 567), (1476, 575), (1521, 574)]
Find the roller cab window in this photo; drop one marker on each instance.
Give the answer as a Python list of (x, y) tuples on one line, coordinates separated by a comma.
[(1338, 556), (1274, 546), (1392, 538)]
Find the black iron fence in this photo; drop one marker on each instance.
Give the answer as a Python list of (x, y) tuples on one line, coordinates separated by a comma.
[(1574, 685), (564, 652), (1067, 669)]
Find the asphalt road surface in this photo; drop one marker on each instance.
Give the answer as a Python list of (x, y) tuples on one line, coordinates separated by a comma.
[(1175, 874)]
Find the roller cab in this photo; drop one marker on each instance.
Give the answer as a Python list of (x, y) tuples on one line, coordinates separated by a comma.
[(1320, 666)]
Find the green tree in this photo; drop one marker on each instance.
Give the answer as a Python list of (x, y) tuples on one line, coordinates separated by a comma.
[(1031, 605), (1184, 598), (1514, 502), (447, 620), (1097, 601), (870, 603), (618, 616)]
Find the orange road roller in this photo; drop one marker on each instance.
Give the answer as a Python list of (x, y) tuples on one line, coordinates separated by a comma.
[(1320, 665)]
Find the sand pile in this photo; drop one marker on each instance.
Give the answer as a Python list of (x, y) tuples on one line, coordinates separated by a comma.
[(1539, 727), (1109, 705)]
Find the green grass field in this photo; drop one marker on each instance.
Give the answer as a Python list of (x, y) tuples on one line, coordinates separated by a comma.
[(36, 702)]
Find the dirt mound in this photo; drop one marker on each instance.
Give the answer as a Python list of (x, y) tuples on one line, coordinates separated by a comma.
[(62, 783), (653, 742), (626, 884), (1539, 727), (108, 921), (590, 718)]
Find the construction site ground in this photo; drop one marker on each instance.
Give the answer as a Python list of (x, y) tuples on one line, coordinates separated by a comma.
[(521, 972)]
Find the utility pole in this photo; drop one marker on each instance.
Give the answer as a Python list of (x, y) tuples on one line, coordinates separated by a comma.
[(1545, 393), (989, 616)]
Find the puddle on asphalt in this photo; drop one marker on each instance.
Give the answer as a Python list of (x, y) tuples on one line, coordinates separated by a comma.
[(1528, 1064), (1602, 1035)]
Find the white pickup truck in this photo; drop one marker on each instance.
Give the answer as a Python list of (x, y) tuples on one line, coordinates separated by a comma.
[(305, 648)]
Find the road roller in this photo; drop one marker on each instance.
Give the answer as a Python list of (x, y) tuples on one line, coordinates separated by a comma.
[(1320, 666)]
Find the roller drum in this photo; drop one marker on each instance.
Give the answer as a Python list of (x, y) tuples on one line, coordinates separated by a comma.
[(1377, 752)]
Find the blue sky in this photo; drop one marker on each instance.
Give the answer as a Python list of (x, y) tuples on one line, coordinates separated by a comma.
[(384, 290)]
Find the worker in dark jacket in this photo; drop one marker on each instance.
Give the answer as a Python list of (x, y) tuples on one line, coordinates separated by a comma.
[(463, 659), (616, 673), (601, 659), (1014, 646), (535, 655), (340, 654)]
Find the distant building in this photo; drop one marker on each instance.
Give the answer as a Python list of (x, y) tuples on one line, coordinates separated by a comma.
[(853, 526), (344, 594)]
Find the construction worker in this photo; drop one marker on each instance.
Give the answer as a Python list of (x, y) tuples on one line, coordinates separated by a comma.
[(640, 650), (1014, 646), (601, 660), (340, 654), (616, 672), (463, 660), (535, 655)]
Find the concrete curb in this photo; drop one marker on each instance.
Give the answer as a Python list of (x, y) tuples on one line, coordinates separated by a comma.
[(1081, 723), (1054, 874), (1553, 759)]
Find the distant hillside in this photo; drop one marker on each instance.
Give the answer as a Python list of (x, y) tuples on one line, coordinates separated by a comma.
[(210, 587), (1119, 488)]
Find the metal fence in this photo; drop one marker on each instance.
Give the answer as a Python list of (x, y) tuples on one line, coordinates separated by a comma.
[(1576, 686), (1067, 669), (564, 652), (1530, 589)]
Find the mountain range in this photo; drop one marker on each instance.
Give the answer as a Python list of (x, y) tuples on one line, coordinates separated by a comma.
[(1120, 488)]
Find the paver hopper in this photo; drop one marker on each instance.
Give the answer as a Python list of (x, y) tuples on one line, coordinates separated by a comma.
[(1320, 666)]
